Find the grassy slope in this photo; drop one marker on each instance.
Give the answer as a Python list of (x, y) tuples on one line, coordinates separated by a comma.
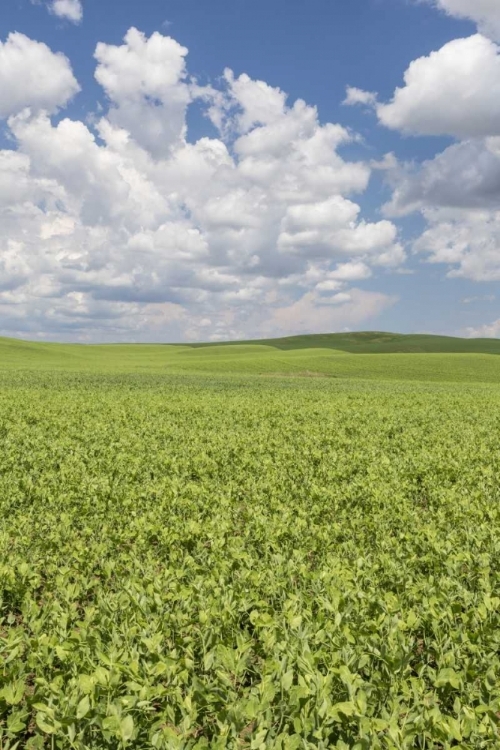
[(300, 356), (377, 342)]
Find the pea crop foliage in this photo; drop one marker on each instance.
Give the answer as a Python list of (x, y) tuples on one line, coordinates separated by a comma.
[(203, 561)]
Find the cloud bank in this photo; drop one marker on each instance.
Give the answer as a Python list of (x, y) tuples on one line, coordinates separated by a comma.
[(126, 228), (454, 92)]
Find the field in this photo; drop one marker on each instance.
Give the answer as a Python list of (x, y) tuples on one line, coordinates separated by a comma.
[(249, 547)]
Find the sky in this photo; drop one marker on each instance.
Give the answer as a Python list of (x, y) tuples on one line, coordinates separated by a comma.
[(195, 170)]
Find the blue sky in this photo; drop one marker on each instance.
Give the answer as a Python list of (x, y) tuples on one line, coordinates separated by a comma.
[(158, 198)]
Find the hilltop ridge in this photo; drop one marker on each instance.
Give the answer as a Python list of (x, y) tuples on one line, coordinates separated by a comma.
[(376, 342), (358, 342)]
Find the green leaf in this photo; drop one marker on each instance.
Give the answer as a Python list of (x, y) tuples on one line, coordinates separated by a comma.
[(16, 721), (446, 677), (345, 675), (361, 701), (83, 707), (380, 725), (127, 728), (43, 724), (44, 709), (13, 693), (347, 709), (455, 729), (287, 680), (86, 683)]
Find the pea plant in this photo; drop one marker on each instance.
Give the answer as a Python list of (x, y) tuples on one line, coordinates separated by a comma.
[(240, 562)]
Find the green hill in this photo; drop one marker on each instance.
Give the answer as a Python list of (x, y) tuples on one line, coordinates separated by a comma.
[(378, 342), (392, 357)]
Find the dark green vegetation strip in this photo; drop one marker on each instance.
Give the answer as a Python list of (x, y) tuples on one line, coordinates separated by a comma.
[(378, 342), (263, 563)]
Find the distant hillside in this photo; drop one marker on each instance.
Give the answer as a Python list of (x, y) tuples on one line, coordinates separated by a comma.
[(392, 357), (377, 342), (363, 342)]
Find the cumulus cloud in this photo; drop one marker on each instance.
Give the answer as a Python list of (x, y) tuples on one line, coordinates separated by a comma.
[(485, 13), (488, 331), (458, 194), (71, 10), (31, 75), (339, 311), (125, 228), (454, 91), (145, 80), (466, 241), (352, 271), (465, 175)]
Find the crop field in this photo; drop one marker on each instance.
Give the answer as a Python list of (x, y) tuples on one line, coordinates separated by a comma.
[(257, 549)]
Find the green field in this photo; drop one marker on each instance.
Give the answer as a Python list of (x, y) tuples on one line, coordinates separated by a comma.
[(392, 357), (249, 546)]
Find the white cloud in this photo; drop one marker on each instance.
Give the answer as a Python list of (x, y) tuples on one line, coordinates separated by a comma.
[(466, 175), (352, 271), (467, 242), (488, 331), (260, 104), (486, 13), (344, 311), (358, 96), (31, 75), (126, 229), (145, 80), (454, 91), (71, 10), (458, 194)]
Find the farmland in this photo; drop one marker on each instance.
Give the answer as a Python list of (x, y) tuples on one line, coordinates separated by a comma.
[(249, 546)]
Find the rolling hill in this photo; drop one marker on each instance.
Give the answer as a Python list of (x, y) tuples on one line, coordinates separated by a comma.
[(377, 342), (336, 355)]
